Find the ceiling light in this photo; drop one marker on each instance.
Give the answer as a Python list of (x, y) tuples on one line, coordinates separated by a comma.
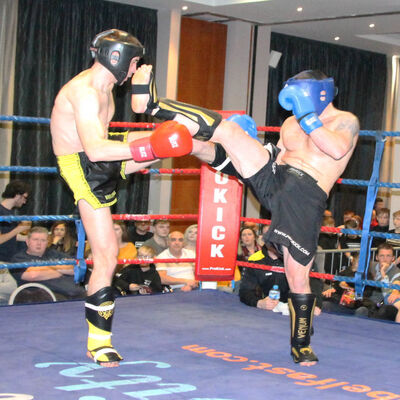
[(184, 8), (299, 9), (372, 25), (337, 37)]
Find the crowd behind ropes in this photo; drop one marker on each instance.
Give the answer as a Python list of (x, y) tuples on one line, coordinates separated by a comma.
[(22, 242)]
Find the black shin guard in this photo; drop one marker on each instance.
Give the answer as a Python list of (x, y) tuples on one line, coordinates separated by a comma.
[(99, 309), (207, 120), (301, 308)]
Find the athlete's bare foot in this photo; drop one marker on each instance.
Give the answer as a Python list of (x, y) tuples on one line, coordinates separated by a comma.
[(141, 77), (308, 363), (110, 364)]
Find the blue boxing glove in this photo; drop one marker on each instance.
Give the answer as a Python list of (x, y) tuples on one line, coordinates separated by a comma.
[(295, 99), (246, 123)]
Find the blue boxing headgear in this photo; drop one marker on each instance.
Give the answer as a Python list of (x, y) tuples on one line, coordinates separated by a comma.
[(317, 85), (114, 49), (246, 123)]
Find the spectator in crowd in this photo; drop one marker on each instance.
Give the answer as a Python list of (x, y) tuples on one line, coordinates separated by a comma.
[(14, 196), (384, 303), (160, 235), (251, 225), (347, 215), (350, 241), (190, 237), (248, 243), (382, 218), (256, 283), (139, 279), (58, 278), (327, 262), (177, 275), (396, 229), (127, 249), (60, 239), (140, 233), (340, 297), (379, 203), (260, 239)]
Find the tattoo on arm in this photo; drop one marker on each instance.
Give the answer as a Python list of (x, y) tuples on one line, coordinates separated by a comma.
[(349, 124)]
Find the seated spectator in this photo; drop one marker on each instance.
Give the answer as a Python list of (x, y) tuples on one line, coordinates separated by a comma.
[(252, 225), (396, 224), (190, 237), (340, 297), (140, 233), (248, 244), (177, 275), (60, 239), (160, 235), (260, 239), (384, 301), (256, 283), (379, 204), (347, 214), (139, 279), (328, 262), (15, 196), (382, 218), (127, 249), (350, 241), (58, 278)]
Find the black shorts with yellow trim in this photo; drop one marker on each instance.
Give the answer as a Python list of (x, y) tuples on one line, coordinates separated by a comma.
[(94, 182)]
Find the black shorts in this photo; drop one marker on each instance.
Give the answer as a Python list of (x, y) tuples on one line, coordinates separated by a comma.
[(297, 205), (95, 182)]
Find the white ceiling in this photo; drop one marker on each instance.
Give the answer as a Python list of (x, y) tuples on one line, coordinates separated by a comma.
[(320, 19)]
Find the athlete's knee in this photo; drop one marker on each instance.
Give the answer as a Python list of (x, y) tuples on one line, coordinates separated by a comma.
[(227, 132)]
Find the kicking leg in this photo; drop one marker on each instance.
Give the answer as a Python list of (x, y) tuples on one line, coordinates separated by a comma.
[(301, 305), (100, 304), (201, 122)]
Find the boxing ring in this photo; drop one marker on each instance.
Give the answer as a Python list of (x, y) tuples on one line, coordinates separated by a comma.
[(203, 344), (197, 345)]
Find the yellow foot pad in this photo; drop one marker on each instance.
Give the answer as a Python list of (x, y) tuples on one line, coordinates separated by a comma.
[(303, 354), (104, 354)]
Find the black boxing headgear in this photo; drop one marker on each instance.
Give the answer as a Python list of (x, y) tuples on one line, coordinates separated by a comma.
[(114, 49)]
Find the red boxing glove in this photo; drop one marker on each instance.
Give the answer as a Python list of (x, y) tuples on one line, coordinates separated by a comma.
[(170, 139)]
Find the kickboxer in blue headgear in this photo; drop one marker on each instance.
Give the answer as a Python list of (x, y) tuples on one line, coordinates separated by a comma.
[(292, 181), (307, 94)]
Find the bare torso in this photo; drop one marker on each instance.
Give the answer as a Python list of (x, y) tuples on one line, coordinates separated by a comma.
[(70, 106), (300, 151)]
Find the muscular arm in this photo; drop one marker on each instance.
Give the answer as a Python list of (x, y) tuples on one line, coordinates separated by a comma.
[(92, 128), (339, 140)]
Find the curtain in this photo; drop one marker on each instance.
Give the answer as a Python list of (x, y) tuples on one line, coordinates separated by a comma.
[(361, 80), (8, 36), (53, 39)]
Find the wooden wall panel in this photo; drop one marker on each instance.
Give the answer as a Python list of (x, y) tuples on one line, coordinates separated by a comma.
[(200, 82)]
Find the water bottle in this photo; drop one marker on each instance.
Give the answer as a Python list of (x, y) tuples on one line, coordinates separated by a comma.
[(274, 293)]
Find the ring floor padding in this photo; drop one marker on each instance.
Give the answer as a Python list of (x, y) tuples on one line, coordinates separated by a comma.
[(196, 345)]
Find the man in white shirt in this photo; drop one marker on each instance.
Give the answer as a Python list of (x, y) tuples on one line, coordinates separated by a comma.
[(178, 275)]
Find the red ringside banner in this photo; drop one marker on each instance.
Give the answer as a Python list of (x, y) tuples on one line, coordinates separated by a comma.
[(218, 225)]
